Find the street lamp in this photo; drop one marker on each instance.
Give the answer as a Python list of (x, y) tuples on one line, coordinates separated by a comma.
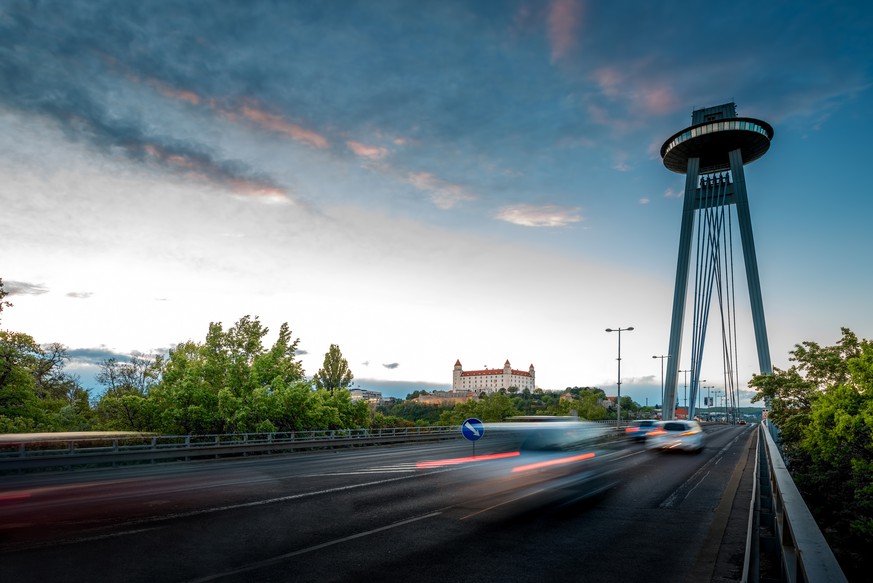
[(718, 394), (662, 357), (618, 400), (686, 390)]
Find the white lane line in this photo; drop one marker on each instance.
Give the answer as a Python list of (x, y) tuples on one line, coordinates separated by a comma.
[(83, 539), (280, 558), (406, 467), (502, 504), (674, 499), (271, 500), (166, 517)]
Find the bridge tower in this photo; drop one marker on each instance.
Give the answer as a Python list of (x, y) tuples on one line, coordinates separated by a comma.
[(711, 153)]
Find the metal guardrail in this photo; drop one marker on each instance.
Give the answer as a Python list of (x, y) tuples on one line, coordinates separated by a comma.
[(804, 554), (67, 451)]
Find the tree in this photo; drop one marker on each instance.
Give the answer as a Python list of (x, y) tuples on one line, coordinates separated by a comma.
[(335, 373), (3, 294), (35, 393), (823, 406), (124, 404), (232, 383)]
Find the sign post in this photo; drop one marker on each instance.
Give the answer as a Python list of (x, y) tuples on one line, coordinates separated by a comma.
[(472, 429)]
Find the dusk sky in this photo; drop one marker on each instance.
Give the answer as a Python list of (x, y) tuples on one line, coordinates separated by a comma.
[(421, 182)]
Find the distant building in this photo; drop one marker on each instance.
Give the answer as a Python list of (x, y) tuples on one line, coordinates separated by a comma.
[(491, 380), (369, 396)]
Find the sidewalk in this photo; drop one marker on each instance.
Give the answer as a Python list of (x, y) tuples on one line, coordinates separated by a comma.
[(723, 553)]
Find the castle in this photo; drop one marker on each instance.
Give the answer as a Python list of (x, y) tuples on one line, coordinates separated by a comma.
[(490, 380)]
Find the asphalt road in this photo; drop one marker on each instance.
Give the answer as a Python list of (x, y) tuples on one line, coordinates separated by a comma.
[(366, 514)]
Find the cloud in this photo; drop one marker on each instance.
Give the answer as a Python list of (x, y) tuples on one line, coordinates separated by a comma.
[(80, 295), (70, 74), (674, 192), (644, 200), (96, 355), (253, 112), (443, 194), (549, 215), (564, 21), (21, 288), (369, 152), (659, 100), (620, 162), (392, 365)]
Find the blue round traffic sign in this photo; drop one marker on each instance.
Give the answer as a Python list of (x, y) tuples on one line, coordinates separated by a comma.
[(472, 429)]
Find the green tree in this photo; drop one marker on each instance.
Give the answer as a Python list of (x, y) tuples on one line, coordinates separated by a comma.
[(124, 404), (19, 405), (35, 392), (823, 406), (335, 373), (3, 294), (231, 383), (489, 408)]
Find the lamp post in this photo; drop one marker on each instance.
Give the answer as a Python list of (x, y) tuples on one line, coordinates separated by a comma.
[(708, 402), (662, 357), (618, 399), (718, 393), (686, 389)]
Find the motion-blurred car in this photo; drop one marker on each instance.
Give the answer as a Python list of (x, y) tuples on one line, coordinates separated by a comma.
[(677, 434), (639, 430), (535, 461)]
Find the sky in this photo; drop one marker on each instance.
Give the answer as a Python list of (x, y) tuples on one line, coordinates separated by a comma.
[(421, 182)]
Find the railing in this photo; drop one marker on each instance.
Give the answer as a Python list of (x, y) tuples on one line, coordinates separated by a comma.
[(23, 453), (787, 529)]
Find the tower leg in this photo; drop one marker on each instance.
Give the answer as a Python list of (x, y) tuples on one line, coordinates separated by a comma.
[(744, 218), (680, 293)]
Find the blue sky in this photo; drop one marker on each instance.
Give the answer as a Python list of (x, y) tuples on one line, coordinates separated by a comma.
[(420, 182)]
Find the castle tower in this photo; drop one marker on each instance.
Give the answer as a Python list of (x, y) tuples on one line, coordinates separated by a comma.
[(456, 375), (711, 153)]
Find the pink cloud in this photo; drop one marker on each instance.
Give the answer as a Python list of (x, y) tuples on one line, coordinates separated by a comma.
[(277, 123), (564, 20), (659, 100), (443, 194), (204, 170), (548, 215), (365, 151), (609, 79)]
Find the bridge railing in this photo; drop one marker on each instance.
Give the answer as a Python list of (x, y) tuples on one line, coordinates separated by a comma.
[(67, 450), (804, 554)]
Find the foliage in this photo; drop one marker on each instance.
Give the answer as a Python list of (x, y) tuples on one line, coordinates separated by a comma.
[(335, 373), (230, 383), (35, 392), (415, 412), (823, 406), (490, 408), (3, 294)]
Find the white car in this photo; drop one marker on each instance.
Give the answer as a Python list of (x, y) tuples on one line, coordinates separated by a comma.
[(677, 434)]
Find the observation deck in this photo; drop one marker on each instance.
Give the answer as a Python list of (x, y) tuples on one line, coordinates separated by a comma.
[(711, 141)]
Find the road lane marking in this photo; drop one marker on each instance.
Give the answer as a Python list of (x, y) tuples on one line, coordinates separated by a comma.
[(696, 478), (282, 557), (501, 504), (406, 467), (204, 511)]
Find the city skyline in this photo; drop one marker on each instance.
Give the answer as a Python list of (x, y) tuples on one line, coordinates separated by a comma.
[(420, 183)]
